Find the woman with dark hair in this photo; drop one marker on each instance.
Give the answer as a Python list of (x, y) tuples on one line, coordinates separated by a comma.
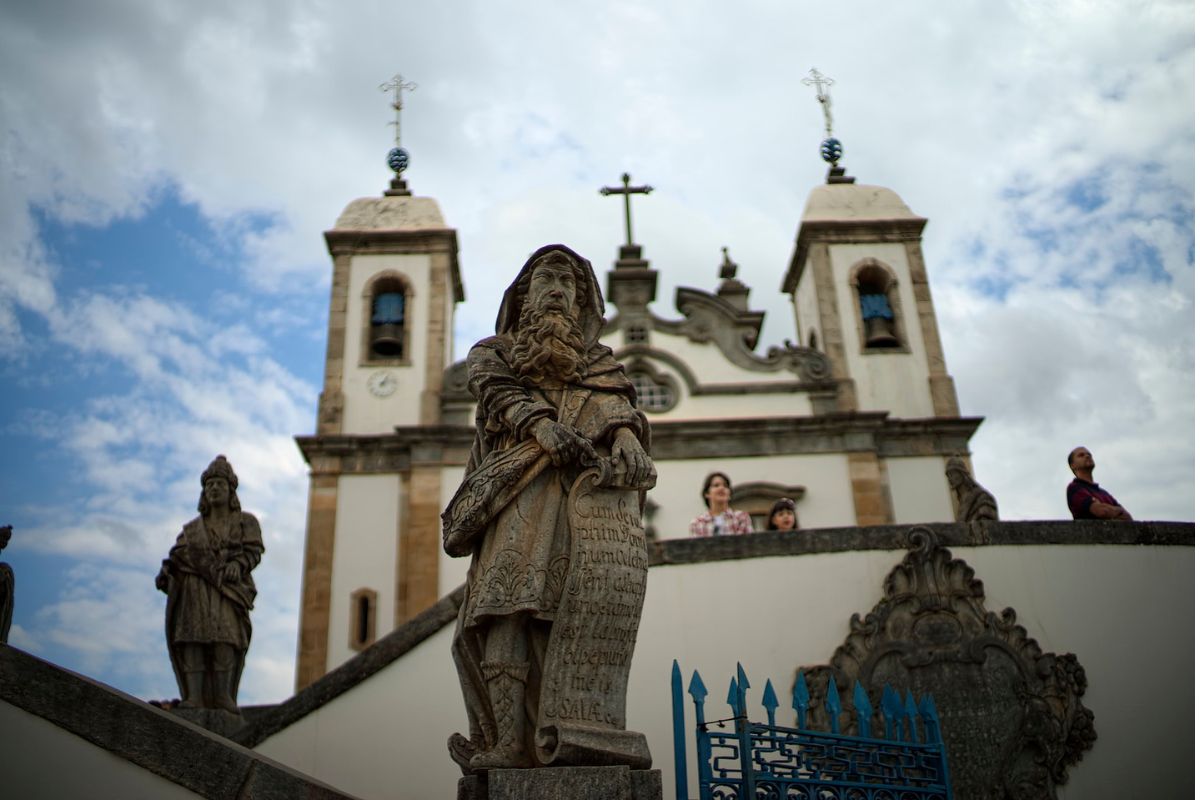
[(782, 516), (720, 519)]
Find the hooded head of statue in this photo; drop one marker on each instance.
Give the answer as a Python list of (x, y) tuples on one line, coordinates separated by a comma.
[(554, 312)]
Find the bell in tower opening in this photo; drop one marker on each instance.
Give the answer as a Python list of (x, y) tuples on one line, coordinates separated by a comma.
[(387, 322), (878, 316)]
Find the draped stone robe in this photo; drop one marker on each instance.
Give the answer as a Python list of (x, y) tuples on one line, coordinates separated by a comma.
[(202, 606)]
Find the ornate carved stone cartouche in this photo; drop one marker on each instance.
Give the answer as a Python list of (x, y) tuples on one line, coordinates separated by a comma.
[(1012, 716)]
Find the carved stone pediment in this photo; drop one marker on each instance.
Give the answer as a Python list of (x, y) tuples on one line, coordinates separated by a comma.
[(734, 331), (1012, 716), (708, 317)]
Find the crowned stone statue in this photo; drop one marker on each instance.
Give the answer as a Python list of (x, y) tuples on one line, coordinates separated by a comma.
[(210, 593), (549, 512)]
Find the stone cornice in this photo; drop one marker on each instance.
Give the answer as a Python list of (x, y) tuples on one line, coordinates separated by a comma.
[(895, 537), (671, 440), (380, 242), (847, 232), (391, 452), (827, 433)]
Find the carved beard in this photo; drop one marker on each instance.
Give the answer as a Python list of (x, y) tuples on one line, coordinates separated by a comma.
[(548, 345)]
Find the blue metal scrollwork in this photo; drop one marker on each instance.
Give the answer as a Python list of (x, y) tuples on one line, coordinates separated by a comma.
[(756, 761)]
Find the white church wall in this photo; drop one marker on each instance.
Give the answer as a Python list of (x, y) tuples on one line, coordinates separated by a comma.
[(827, 502), (386, 738), (736, 406), (919, 490), (1128, 614), (884, 381), (364, 555), (1116, 607), (758, 405), (41, 760), (363, 412)]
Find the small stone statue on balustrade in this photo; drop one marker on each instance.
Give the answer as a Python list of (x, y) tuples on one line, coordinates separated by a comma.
[(210, 593), (550, 513), (974, 503), (7, 585)]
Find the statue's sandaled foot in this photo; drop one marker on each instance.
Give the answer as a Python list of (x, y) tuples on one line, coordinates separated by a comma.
[(462, 750), (189, 703), (501, 758)]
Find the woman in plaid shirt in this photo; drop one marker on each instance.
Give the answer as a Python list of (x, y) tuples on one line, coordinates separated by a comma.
[(720, 519)]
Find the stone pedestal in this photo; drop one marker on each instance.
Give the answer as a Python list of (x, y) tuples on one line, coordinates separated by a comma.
[(561, 783), (221, 722)]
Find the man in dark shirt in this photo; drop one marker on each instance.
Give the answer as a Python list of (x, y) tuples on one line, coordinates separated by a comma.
[(1085, 498)]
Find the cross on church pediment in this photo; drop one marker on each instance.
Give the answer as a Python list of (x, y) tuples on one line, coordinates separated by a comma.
[(627, 190)]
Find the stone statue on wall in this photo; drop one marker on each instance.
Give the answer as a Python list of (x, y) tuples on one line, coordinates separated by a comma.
[(7, 585), (550, 513), (974, 502), (210, 593)]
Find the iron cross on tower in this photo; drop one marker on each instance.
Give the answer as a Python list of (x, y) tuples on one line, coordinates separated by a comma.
[(831, 148), (397, 85), (627, 190), (820, 81), (397, 157)]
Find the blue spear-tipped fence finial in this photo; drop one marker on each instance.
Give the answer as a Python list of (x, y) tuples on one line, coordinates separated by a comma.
[(833, 704), (933, 727), (731, 697), (679, 732), (863, 710), (743, 683), (698, 691), (800, 698), (910, 712), (770, 702), (893, 711)]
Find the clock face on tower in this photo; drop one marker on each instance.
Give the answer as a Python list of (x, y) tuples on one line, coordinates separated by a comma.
[(381, 383)]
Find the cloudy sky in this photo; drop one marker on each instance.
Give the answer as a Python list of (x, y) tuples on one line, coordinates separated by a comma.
[(167, 169)]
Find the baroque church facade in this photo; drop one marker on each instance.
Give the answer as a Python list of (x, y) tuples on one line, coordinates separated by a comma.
[(855, 424), (1034, 638)]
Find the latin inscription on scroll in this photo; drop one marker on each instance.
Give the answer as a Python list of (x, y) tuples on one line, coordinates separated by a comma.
[(591, 646)]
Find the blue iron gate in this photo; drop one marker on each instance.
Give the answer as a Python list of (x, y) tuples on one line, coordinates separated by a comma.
[(744, 760)]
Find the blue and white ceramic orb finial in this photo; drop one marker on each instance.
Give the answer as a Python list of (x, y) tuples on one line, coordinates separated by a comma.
[(397, 159), (831, 150)]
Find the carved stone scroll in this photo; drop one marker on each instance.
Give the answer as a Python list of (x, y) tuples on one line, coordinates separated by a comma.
[(591, 647), (1012, 716)]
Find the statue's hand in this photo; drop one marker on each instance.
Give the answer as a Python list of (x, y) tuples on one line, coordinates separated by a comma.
[(161, 580), (232, 572), (563, 444), (639, 469)]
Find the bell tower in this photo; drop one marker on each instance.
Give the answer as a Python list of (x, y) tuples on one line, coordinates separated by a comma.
[(371, 542), (861, 294)]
